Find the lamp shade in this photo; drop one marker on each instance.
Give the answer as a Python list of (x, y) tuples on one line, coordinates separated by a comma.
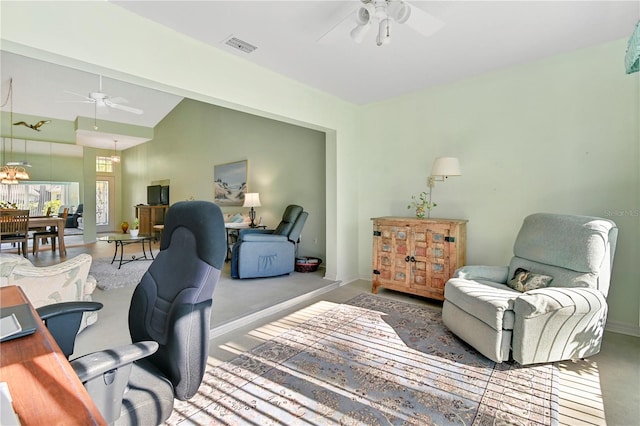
[(446, 166), (251, 199), (632, 58)]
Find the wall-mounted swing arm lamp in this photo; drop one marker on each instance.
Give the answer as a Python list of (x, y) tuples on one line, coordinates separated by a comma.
[(443, 167)]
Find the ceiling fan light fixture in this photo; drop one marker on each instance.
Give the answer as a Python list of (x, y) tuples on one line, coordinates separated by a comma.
[(359, 33), (399, 11), (365, 14), (384, 32)]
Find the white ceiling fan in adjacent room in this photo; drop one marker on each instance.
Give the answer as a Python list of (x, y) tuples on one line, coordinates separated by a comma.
[(103, 101), (383, 15)]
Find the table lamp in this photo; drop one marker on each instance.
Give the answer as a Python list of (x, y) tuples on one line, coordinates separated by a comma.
[(252, 199)]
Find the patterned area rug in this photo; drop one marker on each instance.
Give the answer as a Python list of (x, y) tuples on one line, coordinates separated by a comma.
[(372, 361)]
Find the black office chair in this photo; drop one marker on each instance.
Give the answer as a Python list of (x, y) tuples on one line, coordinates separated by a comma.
[(169, 320), (63, 321)]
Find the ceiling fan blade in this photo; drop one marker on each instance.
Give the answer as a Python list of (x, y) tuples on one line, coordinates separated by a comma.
[(87, 99), (123, 107), (75, 102), (119, 100), (340, 31), (423, 22)]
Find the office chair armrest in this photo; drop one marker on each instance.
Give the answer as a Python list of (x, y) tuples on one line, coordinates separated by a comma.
[(93, 365), (105, 375), (67, 308), (63, 321)]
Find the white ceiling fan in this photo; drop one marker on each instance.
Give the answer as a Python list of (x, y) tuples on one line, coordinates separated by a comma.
[(103, 101), (382, 14)]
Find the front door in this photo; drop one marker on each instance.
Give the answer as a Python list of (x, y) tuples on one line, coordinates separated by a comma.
[(105, 203)]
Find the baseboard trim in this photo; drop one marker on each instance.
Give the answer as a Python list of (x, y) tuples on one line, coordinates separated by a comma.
[(622, 328), (248, 319)]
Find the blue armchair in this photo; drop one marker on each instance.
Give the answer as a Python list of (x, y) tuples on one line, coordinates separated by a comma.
[(268, 253)]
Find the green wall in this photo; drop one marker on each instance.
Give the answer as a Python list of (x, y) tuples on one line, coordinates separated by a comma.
[(556, 135), (559, 135), (286, 164)]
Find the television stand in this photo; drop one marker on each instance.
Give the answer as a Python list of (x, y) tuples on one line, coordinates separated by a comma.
[(148, 216)]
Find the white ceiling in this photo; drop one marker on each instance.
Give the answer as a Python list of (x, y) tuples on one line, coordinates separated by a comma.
[(477, 37)]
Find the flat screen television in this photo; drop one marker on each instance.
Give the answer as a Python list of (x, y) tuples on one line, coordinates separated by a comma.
[(153, 195), (164, 195)]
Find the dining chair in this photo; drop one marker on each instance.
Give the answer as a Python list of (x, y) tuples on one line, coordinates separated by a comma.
[(14, 228), (52, 233)]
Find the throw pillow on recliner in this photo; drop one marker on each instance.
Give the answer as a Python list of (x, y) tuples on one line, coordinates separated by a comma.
[(524, 280)]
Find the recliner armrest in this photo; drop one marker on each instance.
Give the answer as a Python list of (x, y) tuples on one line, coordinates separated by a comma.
[(497, 274), (248, 231), (580, 300), (558, 323), (264, 238)]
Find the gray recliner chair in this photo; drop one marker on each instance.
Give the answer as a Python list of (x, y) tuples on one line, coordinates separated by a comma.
[(269, 253), (549, 304), (169, 321)]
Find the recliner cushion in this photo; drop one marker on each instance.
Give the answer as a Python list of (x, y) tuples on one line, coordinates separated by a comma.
[(289, 217), (541, 240), (491, 303)]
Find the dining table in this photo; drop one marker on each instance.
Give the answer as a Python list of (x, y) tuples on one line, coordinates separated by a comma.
[(39, 222)]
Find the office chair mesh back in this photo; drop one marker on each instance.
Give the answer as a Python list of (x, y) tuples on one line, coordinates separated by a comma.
[(172, 303)]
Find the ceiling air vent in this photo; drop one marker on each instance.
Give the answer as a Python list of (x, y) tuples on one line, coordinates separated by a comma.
[(240, 45)]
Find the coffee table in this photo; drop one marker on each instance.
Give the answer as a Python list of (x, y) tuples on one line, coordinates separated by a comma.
[(122, 240)]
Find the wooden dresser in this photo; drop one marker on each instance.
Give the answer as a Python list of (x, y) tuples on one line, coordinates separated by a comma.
[(148, 216), (417, 256)]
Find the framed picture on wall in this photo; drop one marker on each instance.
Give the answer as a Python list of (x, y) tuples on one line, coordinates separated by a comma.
[(230, 183)]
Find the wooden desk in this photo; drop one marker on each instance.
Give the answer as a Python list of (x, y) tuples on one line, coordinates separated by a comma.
[(42, 383), (36, 222)]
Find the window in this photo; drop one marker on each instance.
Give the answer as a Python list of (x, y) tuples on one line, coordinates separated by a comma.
[(40, 196), (104, 165)]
